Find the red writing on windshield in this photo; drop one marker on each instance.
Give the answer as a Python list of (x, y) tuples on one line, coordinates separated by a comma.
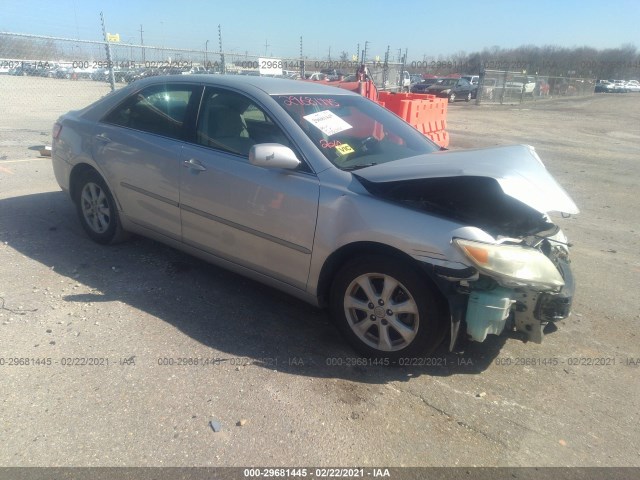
[(329, 144), (323, 102)]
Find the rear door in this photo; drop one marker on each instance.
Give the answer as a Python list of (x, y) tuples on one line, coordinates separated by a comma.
[(138, 146)]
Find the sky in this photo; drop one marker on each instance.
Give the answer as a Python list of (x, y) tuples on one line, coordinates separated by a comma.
[(274, 27)]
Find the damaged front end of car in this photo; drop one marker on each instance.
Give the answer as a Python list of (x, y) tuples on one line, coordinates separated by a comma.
[(515, 273), (524, 284)]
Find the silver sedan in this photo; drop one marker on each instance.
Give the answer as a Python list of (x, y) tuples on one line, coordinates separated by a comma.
[(326, 195)]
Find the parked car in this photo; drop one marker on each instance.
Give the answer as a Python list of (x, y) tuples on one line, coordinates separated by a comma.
[(473, 80), (195, 70), (140, 73), (522, 84), (100, 75), (415, 78), (489, 86), (83, 73), (603, 86), (104, 75), (619, 86), (62, 72), (333, 75), (633, 86), (422, 86), (50, 71), (328, 196), (315, 76), (451, 88), (24, 70)]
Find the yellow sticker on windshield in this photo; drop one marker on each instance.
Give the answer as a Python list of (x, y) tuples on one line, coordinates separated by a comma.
[(344, 149)]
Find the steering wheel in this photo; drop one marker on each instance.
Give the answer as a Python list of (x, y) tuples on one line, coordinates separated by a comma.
[(360, 148)]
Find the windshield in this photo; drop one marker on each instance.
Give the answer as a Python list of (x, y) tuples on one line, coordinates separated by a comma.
[(352, 131)]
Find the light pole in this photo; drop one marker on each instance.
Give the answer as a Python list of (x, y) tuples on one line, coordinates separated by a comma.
[(206, 48)]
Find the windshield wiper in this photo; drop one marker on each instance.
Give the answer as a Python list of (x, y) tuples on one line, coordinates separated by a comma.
[(357, 167)]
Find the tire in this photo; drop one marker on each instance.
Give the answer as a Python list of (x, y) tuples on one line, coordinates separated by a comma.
[(97, 209), (468, 97), (368, 320), (452, 97)]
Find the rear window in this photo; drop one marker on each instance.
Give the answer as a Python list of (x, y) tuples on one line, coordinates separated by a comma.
[(158, 109)]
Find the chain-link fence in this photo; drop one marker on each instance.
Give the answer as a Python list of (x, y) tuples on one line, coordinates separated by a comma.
[(120, 63), (42, 78), (504, 87)]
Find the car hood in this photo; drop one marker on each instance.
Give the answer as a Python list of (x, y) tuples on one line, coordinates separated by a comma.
[(506, 191), (516, 168)]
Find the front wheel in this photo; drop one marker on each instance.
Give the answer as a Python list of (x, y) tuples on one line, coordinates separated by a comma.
[(97, 209), (386, 308)]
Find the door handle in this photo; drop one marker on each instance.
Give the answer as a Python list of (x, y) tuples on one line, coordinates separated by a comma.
[(194, 164), (103, 138)]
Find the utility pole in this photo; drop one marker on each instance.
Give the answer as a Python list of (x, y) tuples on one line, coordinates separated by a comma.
[(385, 70), (142, 43), (404, 62), (112, 79), (222, 66), (266, 46), (366, 48), (206, 48), (358, 53), (301, 59)]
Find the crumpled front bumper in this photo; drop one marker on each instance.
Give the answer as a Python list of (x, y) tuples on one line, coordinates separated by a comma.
[(478, 306), (534, 310)]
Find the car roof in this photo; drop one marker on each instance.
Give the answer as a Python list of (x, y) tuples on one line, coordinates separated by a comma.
[(269, 85)]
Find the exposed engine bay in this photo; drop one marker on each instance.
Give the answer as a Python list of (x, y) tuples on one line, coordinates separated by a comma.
[(477, 201), (491, 305)]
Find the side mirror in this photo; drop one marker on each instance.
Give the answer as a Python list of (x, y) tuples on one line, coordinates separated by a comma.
[(273, 155)]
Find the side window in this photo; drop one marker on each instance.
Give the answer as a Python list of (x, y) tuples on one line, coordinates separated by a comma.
[(159, 109), (232, 122)]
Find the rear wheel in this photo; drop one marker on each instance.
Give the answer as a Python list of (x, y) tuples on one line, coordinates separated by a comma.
[(385, 308), (452, 97), (97, 209), (468, 98)]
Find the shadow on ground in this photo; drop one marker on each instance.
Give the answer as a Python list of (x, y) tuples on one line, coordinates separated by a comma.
[(229, 313)]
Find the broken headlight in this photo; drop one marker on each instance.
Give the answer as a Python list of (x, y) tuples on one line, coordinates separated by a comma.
[(512, 265)]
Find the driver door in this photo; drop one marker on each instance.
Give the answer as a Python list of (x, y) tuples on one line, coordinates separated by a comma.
[(261, 218)]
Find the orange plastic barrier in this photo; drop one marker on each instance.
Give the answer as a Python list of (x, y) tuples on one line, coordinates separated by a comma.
[(426, 113)]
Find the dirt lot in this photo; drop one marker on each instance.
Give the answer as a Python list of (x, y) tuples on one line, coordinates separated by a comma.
[(273, 383)]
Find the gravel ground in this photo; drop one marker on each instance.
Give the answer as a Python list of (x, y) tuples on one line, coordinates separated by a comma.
[(274, 381)]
